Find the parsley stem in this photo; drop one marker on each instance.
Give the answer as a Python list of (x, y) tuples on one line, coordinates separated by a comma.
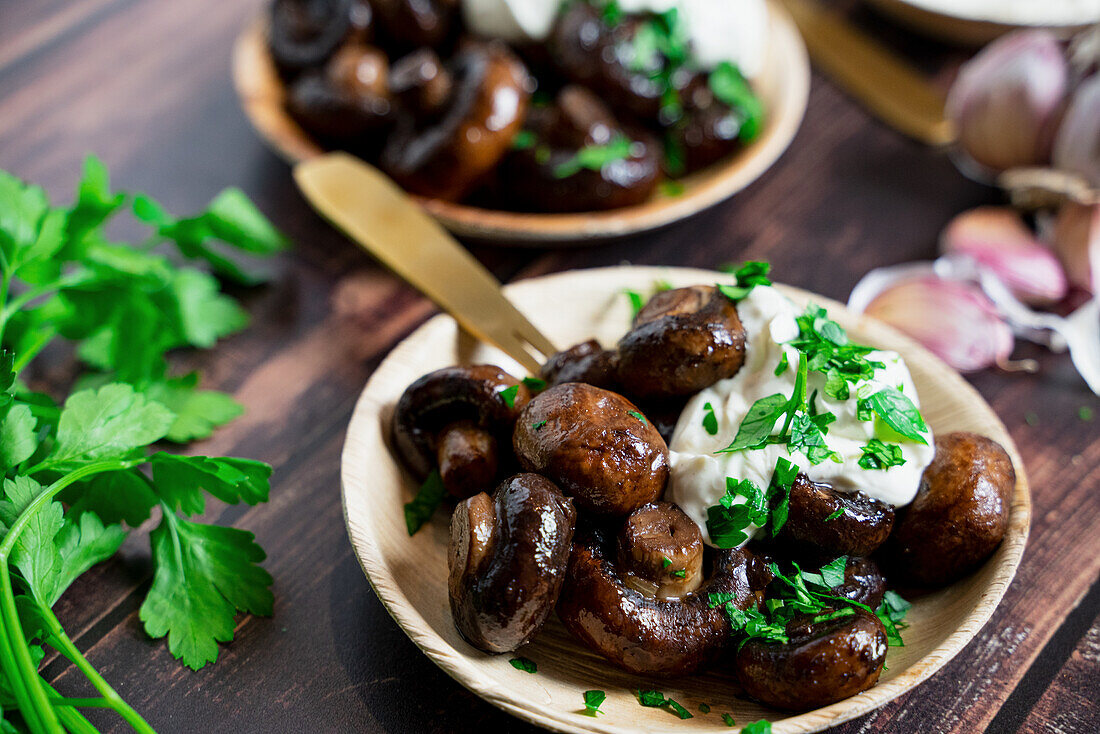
[(39, 702), (87, 703), (14, 677)]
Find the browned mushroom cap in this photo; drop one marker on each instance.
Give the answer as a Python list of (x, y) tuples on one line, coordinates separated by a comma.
[(407, 24), (594, 444), (660, 551), (960, 513), (455, 418), (303, 34), (640, 632), (346, 103), (446, 154), (708, 129), (863, 582), (683, 340), (822, 663), (863, 525), (507, 561), (584, 362), (547, 176)]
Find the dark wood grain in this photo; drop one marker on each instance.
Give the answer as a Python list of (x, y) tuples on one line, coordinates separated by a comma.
[(145, 84)]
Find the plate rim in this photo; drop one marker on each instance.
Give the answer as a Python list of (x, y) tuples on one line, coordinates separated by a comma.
[(450, 660), (252, 67)]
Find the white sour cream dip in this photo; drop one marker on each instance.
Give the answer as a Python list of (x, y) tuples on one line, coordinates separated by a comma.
[(698, 476), (719, 30)]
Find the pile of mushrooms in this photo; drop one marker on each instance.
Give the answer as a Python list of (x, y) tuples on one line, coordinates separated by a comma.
[(561, 507), (453, 116)]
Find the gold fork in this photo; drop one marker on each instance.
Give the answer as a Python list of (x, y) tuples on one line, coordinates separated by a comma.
[(378, 216)]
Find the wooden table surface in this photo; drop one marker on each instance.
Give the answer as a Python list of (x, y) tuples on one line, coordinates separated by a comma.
[(145, 85)]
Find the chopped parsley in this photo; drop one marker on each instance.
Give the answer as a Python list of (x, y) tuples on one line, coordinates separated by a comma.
[(537, 426), (749, 275), (782, 366), (592, 702), (422, 507), (524, 139), (839, 512), (534, 384), (656, 699), (508, 395), (636, 301), (727, 521), (679, 573), (672, 188), (891, 613), (666, 562), (830, 352), (639, 416), (729, 720), (710, 422), (1085, 414), (659, 49), (595, 157), (896, 411), (704, 708), (758, 727), (612, 13), (527, 665), (879, 455), (730, 87)]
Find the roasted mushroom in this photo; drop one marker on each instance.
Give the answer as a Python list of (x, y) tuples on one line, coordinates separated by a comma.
[(409, 24), (862, 526), (347, 103), (708, 129), (682, 341), (507, 561), (444, 153), (628, 624), (822, 662), (580, 158), (303, 34), (584, 362), (960, 513), (456, 419), (863, 582), (660, 551), (594, 444)]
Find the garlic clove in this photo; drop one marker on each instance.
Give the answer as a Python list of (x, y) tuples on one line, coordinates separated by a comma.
[(953, 319), (996, 239), (1077, 144), (1006, 100), (1075, 237)]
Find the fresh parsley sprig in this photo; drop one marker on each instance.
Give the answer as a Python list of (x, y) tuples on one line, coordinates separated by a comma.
[(76, 474), (728, 520)]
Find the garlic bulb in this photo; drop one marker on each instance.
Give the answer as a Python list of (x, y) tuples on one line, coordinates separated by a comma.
[(1006, 100), (1077, 144), (952, 318), (1076, 240), (996, 238)]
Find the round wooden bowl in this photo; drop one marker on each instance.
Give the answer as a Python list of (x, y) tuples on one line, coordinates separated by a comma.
[(784, 88), (409, 574), (961, 29)]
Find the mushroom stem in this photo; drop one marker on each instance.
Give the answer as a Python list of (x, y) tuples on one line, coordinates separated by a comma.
[(661, 551), (467, 456)]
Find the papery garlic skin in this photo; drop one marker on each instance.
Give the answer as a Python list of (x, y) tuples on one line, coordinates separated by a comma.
[(953, 319), (1075, 237), (1077, 144), (1006, 100), (997, 239)]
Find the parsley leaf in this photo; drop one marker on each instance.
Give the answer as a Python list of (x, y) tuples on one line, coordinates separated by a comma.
[(525, 664), (595, 157), (180, 480), (728, 719), (204, 575), (839, 512), (730, 87), (898, 412), (710, 422), (534, 384), (638, 416), (592, 702), (422, 507), (833, 572), (636, 301), (879, 455), (109, 422), (763, 726), (508, 395), (748, 276)]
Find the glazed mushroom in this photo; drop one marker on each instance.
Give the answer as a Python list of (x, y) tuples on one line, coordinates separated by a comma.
[(507, 561), (960, 513), (660, 551), (863, 582), (709, 129), (629, 625), (548, 174), (594, 444), (303, 34), (682, 341), (863, 525), (456, 419), (409, 24), (444, 154), (822, 662), (347, 102), (585, 362)]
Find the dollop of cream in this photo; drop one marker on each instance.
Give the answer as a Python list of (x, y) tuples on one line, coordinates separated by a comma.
[(698, 477), (719, 30)]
